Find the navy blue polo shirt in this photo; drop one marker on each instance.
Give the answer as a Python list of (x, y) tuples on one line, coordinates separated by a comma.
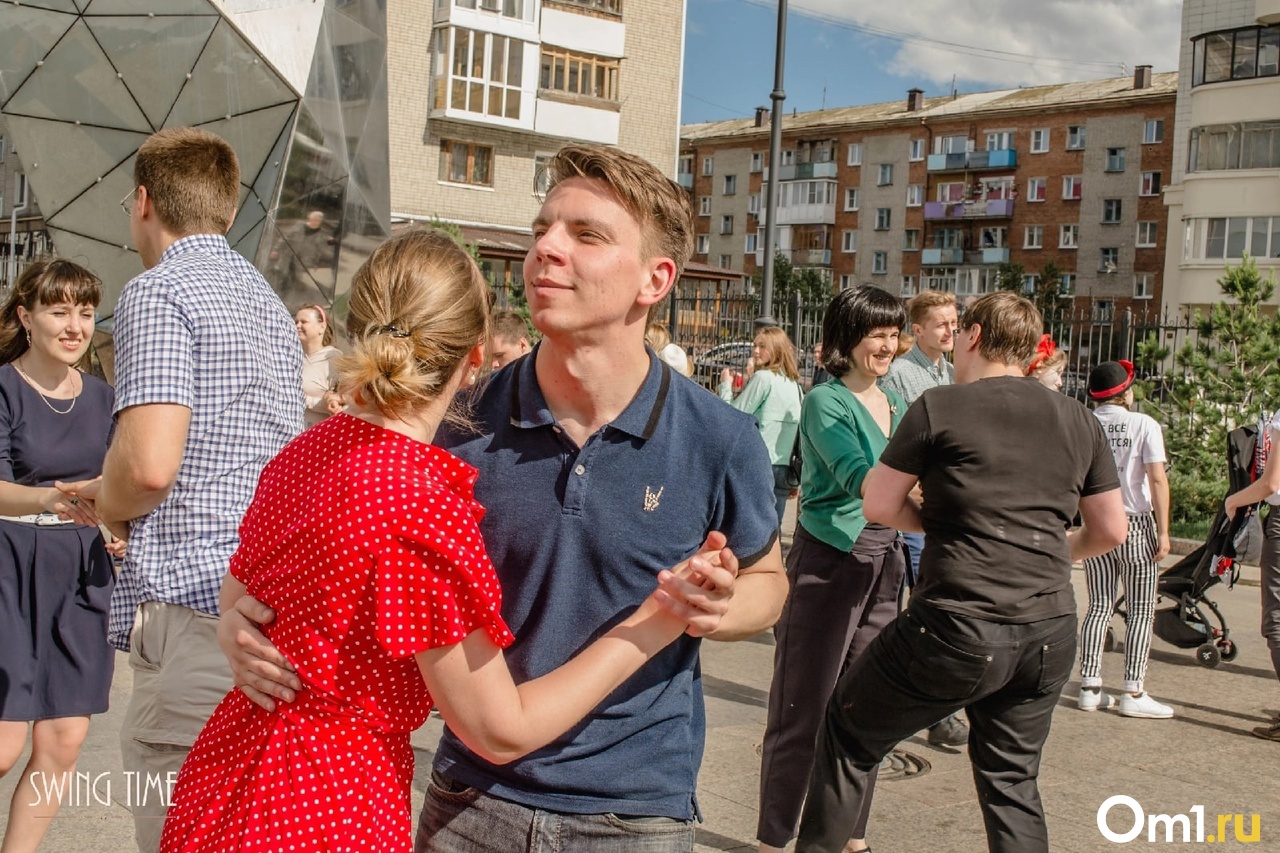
[(578, 536)]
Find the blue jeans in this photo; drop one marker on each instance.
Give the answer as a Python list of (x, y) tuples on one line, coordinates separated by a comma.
[(781, 491), (915, 545), (459, 819)]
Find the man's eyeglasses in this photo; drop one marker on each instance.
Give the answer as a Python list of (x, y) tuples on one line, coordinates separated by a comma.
[(126, 203)]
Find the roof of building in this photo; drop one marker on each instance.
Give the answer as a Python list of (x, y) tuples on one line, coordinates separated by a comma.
[(1085, 93)]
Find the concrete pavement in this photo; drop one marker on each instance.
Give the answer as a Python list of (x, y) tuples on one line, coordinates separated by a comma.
[(1205, 756)]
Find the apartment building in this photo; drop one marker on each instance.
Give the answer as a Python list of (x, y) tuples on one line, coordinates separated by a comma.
[(482, 92), (940, 192), (1224, 201)]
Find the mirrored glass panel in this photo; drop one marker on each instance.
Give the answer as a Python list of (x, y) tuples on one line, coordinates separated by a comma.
[(83, 155), (96, 212), (27, 35), (147, 7), (253, 135), (229, 79), (114, 266)]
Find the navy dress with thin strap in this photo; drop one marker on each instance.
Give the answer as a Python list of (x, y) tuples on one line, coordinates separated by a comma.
[(55, 581)]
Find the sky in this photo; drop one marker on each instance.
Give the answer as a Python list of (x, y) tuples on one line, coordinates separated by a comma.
[(849, 52)]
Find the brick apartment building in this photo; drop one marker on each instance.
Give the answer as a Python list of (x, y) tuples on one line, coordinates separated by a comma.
[(939, 192)]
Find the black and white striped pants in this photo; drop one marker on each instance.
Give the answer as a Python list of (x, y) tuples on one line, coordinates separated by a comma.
[(1134, 564)]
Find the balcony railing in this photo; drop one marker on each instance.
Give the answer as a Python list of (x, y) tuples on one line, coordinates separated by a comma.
[(995, 256), (937, 257), (972, 161), (807, 214), (811, 257), (685, 180), (1001, 208), (806, 171)]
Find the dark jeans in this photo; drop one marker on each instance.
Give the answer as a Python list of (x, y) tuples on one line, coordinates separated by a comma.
[(781, 491), (459, 819), (838, 603), (1270, 561), (926, 665)]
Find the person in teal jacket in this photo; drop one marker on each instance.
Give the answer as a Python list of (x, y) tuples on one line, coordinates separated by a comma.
[(845, 573), (772, 396)]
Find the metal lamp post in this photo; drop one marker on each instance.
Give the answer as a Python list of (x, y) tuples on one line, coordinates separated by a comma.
[(775, 154)]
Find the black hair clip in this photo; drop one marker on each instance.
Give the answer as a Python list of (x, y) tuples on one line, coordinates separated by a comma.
[(393, 331)]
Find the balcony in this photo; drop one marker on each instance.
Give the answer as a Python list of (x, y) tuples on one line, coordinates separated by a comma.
[(685, 180), (811, 257), (973, 161), (807, 214), (995, 256), (806, 171), (938, 257), (1001, 208)]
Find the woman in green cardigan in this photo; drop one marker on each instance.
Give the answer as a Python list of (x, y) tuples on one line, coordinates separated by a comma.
[(845, 573), (772, 396)]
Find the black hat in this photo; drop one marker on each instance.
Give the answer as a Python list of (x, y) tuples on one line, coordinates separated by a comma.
[(1110, 379)]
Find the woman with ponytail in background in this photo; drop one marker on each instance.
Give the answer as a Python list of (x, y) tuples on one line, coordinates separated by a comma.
[(364, 539), (319, 379)]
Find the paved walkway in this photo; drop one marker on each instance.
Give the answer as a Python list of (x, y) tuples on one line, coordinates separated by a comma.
[(1204, 756)]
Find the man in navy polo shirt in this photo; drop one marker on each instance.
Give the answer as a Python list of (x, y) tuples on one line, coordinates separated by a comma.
[(599, 467)]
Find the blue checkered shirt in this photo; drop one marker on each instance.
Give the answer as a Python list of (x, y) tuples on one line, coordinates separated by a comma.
[(202, 329), (912, 373)]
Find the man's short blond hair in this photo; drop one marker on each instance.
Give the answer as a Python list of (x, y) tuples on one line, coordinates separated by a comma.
[(659, 204), (1011, 327), (919, 306), (193, 179)]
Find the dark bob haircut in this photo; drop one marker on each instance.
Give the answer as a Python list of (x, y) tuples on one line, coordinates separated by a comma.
[(851, 316)]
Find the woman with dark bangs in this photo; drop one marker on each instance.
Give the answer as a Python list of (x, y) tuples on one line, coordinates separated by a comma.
[(55, 573), (845, 572)]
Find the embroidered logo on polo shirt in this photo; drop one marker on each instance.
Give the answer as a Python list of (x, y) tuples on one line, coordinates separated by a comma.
[(651, 498)]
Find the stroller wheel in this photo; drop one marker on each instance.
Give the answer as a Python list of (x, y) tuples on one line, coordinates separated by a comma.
[(1109, 642), (1208, 655), (1230, 651)]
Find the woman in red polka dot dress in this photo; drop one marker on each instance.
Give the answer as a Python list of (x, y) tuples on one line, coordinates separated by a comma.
[(364, 539)]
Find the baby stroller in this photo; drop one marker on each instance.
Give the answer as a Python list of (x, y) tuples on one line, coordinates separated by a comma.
[(1192, 621)]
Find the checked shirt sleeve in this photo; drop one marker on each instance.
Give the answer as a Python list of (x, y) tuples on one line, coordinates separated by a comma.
[(155, 348)]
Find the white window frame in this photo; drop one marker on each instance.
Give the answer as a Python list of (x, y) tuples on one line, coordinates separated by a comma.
[(1030, 281), (846, 281), (757, 161), (1116, 160), (725, 261), (750, 243), (1150, 184), (1000, 140), (753, 203), (1068, 285), (1039, 140), (908, 286), (854, 155), (1032, 184), (1112, 203), (915, 195), (849, 242), (1144, 285), (884, 175), (1069, 236), (704, 205), (851, 199), (884, 218), (916, 150), (708, 166), (908, 244), (1072, 182), (730, 185), (1108, 251), (1077, 137), (726, 224), (1033, 237), (686, 165), (1153, 131), (1149, 239), (704, 244), (879, 263)]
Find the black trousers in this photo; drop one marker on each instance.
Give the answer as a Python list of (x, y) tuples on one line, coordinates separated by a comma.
[(926, 665)]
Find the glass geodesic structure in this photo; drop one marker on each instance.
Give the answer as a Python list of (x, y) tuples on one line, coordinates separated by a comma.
[(298, 87)]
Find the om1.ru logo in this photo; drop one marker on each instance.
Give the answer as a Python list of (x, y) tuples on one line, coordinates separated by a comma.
[(1172, 823)]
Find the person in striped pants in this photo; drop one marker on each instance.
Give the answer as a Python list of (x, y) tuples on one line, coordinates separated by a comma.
[(1138, 447)]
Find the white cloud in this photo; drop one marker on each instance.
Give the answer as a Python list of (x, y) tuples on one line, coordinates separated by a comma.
[(1055, 41)]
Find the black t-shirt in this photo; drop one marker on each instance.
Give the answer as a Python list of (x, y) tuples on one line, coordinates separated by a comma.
[(1002, 463)]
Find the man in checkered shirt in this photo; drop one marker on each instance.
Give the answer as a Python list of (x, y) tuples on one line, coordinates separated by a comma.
[(208, 373)]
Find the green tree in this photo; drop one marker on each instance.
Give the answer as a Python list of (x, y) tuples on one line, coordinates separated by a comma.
[(1011, 277), (1222, 379), (1047, 294), (813, 287)]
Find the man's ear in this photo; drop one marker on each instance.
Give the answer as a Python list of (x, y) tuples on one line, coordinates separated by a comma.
[(662, 277)]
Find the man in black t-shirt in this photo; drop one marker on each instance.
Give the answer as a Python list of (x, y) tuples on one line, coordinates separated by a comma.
[(991, 626)]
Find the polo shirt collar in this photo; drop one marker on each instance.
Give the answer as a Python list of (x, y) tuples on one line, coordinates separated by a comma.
[(917, 355), (529, 408)]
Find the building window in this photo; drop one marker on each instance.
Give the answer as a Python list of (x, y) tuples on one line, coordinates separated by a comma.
[(704, 205), (725, 262), (1215, 239), (851, 198), (1068, 236), (883, 215), (518, 9), (917, 150), (1241, 54), (879, 263), (915, 195), (1250, 145), (730, 184), (846, 281), (848, 241), (1075, 137), (1071, 185), (1111, 210), (726, 224), (1037, 188), (1040, 140), (1115, 160), (485, 72), (752, 241), (1001, 140), (789, 157), (1033, 237), (1108, 259), (753, 203), (704, 244), (947, 238), (855, 154), (911, 240), (541, 177), (579, 73), (1030, 282), (1144, 285), (908, 285), (1150, 184), (1153, 131), (708, 166), (951, 191), (757, 161), (1068, 287), (464, 163), (1147, 232), (951, 145), (886, 175)]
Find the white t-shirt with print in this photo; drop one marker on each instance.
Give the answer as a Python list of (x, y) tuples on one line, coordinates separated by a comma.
[(1136, 441)]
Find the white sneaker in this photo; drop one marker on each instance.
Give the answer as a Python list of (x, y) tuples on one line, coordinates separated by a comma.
[(1143, 706), (1092, 698)]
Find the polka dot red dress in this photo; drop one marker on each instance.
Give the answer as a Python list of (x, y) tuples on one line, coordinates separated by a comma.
[(366, 544)]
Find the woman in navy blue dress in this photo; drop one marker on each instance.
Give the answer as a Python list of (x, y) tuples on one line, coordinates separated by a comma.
[(55, 571)]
